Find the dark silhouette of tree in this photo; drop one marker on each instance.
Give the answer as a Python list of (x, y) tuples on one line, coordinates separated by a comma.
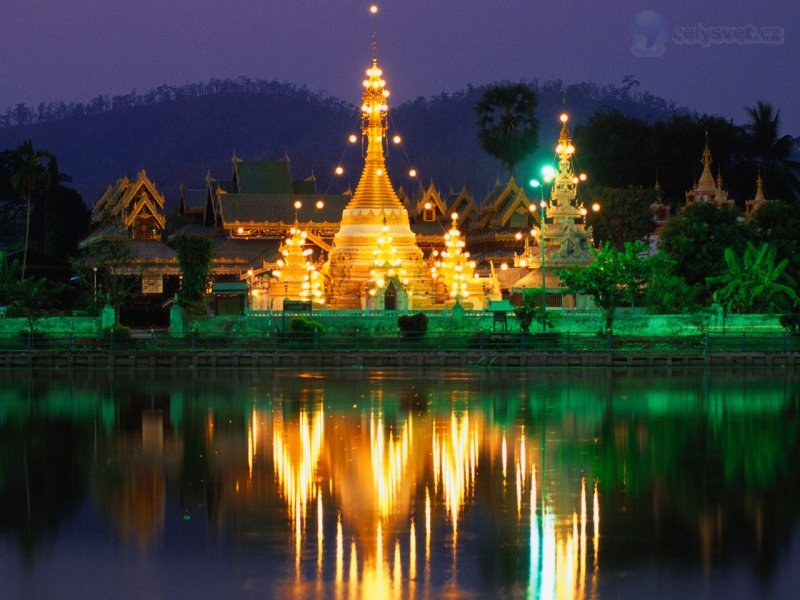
[(507, 126), (31, 174), (773, 151), (625, 214)]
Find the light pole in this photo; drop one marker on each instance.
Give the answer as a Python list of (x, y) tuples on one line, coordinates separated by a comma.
[(548, 174), (94, 288)]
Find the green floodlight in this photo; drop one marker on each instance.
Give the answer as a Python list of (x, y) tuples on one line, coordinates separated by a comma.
[(534, 183), (548, 173)]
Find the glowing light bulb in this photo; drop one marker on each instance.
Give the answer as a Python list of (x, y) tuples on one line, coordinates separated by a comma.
[(320, 204), (596, 207), (353, 139), (582, 176), (297, 204), (397, 139), (339, 170), (518, 235), (373, 9), (379, 172), (412, 173), (564, 117)]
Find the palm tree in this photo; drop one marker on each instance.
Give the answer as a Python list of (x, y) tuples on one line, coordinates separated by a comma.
[(773, 151), (30, 174), (754, 283), (507, 127)]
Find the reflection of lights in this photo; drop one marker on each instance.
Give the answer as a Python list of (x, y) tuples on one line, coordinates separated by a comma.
[(295, 456), (454, 463), (389, 462)]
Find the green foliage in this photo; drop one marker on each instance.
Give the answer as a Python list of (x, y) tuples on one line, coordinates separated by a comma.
[(667, 292), (696, 238), (22, 297), (413, 326), (625, 214), (194, 256), (778, 224), (118, 331), (304, 325), (616, 277), (507, 126), (533, 309), (109, 264), (754, 283)]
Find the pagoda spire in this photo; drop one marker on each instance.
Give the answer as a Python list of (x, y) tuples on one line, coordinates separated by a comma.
[(706, 181), (374, 189), (760, 188)]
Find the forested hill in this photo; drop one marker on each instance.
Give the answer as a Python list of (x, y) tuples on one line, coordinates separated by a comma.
[(180, 133)]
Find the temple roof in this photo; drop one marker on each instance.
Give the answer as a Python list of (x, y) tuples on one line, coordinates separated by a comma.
[(262, 177), (274, 208)]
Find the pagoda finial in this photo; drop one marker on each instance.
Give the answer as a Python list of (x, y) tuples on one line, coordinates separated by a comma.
[(373, 9)]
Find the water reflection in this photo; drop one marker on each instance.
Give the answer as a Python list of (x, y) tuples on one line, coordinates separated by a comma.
[(394, 484)]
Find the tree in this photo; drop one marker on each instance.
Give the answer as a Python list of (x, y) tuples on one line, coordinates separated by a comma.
[(616, 277), (625, 215), (194, 257), (773, 151), (754, 283), (30, 175), (106, 269), (778, 224), (533, 309), (507, 126), (666, 291), (696, 239)]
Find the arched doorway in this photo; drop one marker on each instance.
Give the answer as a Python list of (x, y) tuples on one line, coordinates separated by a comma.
[(390, 297)]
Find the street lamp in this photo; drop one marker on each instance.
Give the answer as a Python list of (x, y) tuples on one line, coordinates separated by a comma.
[(548, 175), (94, 273)]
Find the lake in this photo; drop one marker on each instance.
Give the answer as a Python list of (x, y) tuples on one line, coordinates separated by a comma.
[(551, 483)]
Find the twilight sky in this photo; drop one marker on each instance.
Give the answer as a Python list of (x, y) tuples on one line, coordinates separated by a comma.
[(76, 49)]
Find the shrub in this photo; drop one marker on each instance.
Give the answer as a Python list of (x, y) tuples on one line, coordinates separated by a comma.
[(413, 326), (303, 325), (118, 331)]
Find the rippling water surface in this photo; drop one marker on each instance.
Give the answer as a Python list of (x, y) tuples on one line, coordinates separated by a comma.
[(391, 484)]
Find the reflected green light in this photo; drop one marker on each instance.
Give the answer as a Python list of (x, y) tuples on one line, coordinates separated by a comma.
[(534, 183)]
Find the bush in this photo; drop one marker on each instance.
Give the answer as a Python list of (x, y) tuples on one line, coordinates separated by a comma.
[(303, 325), (120, 332), (791, 322), (413, 326)]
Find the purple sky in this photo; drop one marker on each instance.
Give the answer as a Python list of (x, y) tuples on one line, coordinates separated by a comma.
[(77, 49)]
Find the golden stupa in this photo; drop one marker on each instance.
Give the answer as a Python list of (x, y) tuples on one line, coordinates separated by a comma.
[(357, 274)]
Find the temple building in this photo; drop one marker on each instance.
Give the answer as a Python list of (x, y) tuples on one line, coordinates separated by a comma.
[(563, 238), (130, 215), (359, 272), (707, 189)]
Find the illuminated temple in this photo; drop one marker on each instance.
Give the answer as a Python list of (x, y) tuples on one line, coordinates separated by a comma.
[(375, 260)]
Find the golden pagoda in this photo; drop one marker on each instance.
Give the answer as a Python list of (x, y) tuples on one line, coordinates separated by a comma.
[(706, 189), (375, 212)]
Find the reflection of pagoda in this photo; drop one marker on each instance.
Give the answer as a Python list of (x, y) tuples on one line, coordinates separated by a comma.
[(374, 204)]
